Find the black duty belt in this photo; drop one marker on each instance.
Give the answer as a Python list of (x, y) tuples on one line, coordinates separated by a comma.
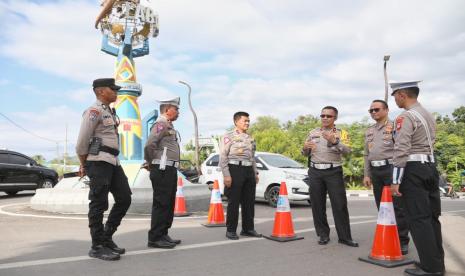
[(109, 150)]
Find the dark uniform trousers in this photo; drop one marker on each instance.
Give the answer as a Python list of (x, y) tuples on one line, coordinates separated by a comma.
[(242, 191), (420, 194), (329, 181), (164, 184), (380, 177), (104, 178)]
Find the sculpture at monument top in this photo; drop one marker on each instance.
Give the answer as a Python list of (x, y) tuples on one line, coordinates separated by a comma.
[(126, 27)]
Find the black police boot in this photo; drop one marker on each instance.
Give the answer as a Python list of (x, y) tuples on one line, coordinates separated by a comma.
[(161, 244), (232, 235), (108, 241), (323, 240), (169, 239), (348, 242), (103, 253), (251, 233)]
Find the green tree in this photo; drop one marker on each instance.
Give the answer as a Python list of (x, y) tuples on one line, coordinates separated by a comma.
[(39, 159), (459, 114)]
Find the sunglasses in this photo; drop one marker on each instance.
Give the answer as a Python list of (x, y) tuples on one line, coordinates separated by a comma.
[(374, 110), (326, 116)]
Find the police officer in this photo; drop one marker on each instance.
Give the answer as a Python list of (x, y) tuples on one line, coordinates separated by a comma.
[(240, 177), (97, 149), (379, 149), (161, 154), (324, 147), (415, 177)]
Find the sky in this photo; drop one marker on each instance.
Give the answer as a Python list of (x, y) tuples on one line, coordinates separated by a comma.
[(269, 58)]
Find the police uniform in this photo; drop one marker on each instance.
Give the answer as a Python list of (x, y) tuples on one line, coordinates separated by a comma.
[(98, 139), (379, 148), (164, 180), (415, 171), (237, 160), (325, 174)]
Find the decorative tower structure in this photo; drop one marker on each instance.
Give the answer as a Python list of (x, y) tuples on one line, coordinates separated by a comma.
[(126, 27)]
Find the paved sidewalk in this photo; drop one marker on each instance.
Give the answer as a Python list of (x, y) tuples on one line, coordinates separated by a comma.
[(369, 193)]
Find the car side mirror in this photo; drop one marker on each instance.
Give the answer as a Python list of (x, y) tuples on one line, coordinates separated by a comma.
[(260, 166)]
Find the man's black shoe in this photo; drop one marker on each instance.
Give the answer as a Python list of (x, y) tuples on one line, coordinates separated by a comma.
[(420, 272), (232, 235), (251, 233), (323, 240), (103, 253), (161, 244), (169, 239), (404, 249), (113, 247), (349, 243)]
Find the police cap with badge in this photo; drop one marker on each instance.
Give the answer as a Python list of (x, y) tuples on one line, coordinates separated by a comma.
[(398, 85), (106, 82)]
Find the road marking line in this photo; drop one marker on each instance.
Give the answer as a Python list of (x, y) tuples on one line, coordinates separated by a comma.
[(147, 251), (84, 217), (150, 251)]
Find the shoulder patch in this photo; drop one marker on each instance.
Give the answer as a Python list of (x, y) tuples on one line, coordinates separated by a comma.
[(399, 122), (160, 128), (93, 114)]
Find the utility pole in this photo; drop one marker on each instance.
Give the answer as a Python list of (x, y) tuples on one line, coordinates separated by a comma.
[(65, 151)]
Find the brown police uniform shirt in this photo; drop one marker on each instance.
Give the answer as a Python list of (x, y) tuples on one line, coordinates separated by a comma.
[(98, 121), (410, 134), (238, 147), (379, 144), (326, 152), (162, 135)]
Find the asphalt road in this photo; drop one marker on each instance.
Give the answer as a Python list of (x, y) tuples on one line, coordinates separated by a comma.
[(37, 243)]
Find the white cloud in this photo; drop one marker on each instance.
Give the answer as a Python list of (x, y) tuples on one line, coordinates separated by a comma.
[(273, 58)]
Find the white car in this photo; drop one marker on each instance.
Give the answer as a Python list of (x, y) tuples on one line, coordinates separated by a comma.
[(273, 169)]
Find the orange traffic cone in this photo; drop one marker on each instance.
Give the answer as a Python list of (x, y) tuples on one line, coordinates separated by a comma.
[(180, 203), (386, 246), (216, 213), (283, 229)]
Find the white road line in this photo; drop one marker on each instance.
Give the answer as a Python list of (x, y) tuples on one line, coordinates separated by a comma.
[(147, 251), (152, 251), (83, 217), (3, 212)]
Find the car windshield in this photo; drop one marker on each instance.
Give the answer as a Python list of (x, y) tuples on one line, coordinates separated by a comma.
[(280, 161)]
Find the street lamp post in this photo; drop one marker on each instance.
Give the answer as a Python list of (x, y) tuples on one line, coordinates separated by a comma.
[(196, 156), (386, 58)]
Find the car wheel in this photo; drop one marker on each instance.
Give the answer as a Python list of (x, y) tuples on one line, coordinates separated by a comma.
[(11, 193), (272, 196), (46, 184)]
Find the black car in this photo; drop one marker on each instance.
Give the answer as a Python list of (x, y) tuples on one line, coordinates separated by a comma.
[(19, 172)]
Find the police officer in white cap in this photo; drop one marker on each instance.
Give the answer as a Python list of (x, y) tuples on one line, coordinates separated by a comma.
[(161, 154), (415, 177), (98, 148)]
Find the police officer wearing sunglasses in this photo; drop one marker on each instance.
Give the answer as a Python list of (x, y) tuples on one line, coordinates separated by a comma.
[(324, 148), (98, 148), (378, 154)]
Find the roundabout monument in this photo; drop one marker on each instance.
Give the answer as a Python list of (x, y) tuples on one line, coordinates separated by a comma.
[(126, 28)]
